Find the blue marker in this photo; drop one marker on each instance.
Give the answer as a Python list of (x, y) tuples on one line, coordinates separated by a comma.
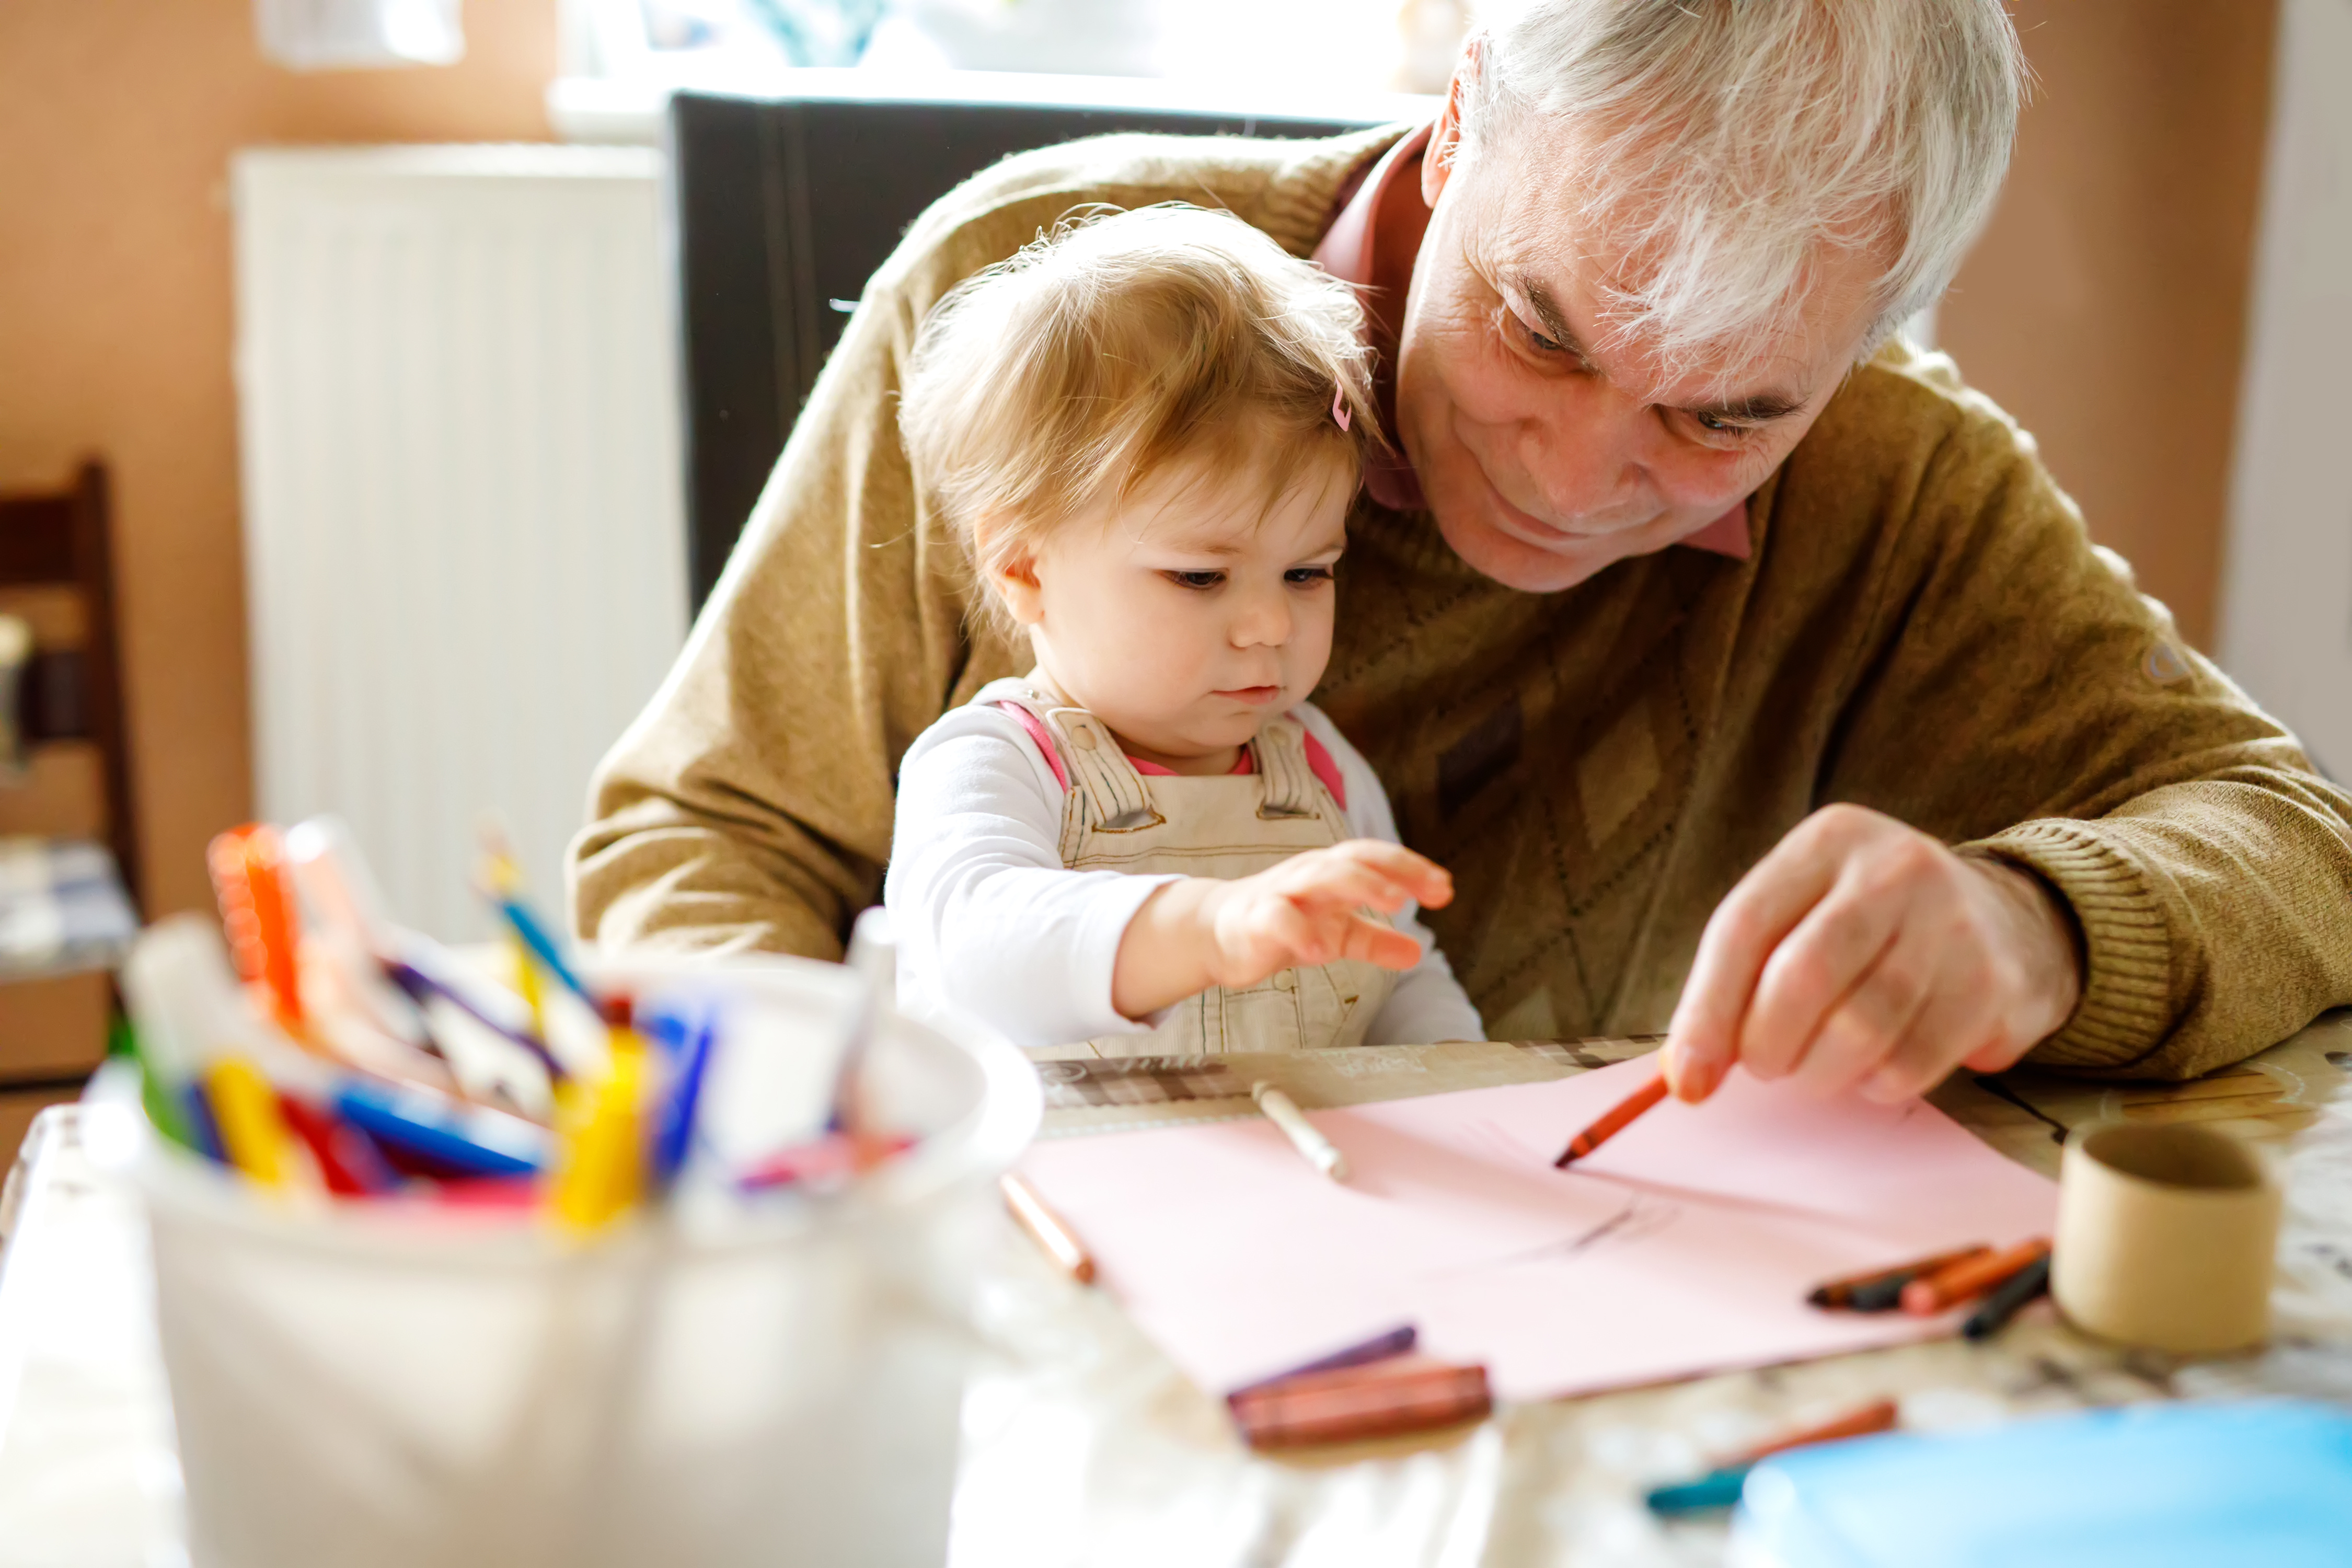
[(1716, 1490), (542, 946), (471, 1140), (202, 1128), (689, 1054)]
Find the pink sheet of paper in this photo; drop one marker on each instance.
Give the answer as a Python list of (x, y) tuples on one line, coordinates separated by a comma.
[(1685, 1244)]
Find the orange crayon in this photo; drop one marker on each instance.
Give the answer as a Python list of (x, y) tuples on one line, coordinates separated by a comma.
[(1046, 1229), (1614, 1122), (1947, 1287), (1876, 1417)]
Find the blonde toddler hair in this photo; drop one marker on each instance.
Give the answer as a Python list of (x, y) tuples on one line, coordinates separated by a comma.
[(1120, 345)]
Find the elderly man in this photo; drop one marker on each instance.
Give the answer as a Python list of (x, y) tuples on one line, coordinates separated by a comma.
[(1748, 675)]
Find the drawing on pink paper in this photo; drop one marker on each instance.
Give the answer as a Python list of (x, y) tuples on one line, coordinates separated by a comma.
[(1685, 1244)]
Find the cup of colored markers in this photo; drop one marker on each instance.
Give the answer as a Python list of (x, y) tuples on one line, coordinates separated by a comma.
[(460, 1262)]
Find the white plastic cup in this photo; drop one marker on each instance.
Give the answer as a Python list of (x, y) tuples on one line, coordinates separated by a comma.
[(368, 1386), (2167, 1238)]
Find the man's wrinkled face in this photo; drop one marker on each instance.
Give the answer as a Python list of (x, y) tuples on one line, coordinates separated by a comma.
[(1547, 450)]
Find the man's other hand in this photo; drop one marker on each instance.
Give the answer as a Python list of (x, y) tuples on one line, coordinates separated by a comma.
[(1860, 953)]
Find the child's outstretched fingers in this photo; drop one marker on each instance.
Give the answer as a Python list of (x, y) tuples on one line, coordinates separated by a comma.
[(1381, 944), (1413, 874), (1366, 872)]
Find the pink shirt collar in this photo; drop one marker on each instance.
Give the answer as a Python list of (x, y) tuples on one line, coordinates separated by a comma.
[(1346, 252)]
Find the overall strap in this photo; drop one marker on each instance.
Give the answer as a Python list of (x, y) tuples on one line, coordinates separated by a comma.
[(1121, 801), (1290, 787), (1114, 792)]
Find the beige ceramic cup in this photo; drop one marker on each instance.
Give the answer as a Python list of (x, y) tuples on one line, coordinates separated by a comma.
[(2166, 1237)]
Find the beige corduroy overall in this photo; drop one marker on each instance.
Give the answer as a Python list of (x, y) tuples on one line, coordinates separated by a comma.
[(1115, 819)]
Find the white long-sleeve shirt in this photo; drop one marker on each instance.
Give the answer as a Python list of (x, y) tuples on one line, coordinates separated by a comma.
[(990, 922)]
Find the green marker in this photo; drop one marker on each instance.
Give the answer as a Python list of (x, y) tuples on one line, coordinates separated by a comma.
[(1712, 1491)]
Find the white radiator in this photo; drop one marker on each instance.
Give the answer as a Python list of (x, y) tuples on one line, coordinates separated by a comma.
[(464, 544)]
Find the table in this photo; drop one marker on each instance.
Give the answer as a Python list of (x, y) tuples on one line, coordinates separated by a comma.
[(1083, 1445)]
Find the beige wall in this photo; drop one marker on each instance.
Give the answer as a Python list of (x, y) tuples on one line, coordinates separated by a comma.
[(117, 118), (2105, 304)]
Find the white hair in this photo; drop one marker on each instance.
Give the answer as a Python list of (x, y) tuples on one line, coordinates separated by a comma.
[(1722, 144)]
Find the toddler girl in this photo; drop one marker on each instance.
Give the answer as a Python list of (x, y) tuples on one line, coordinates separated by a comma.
[(1146, 432)]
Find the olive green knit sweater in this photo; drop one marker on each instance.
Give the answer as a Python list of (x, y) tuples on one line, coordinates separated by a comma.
[(1923, 627)]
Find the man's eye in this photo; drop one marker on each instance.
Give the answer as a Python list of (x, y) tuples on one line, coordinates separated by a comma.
[(1301, 576), (1716, 425), (1540, 343), (1194, 579)]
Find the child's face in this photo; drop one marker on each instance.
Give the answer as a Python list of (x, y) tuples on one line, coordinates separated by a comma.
[(1187, 616)]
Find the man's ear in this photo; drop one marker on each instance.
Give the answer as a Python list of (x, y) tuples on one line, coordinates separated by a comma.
[(1445, 136), (1011, 572)]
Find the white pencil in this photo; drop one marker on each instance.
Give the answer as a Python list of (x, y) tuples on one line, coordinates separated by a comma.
[(1284, 1112)]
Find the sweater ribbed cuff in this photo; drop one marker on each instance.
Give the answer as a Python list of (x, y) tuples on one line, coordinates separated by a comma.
[(2127, 1006)]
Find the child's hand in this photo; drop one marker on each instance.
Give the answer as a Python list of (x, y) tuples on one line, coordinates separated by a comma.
[(1199, 932), (1307, 911)]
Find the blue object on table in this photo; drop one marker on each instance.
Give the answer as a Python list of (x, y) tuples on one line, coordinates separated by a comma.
[(2153, 1486), (1717, 1488)]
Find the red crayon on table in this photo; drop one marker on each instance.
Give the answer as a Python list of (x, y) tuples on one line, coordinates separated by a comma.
[(1405, 1393), (1612, 1124), (1970, 1276)]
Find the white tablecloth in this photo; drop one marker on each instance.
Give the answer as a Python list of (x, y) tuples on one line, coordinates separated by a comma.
[(1083, 1445)]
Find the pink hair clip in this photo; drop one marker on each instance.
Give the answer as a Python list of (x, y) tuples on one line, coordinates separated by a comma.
[(1340, 406)]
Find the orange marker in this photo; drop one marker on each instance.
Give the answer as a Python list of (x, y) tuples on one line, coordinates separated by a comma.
[(1046, 1229), (1877, 1416), (1609, 1126), (250, 878), (1970, 1276)]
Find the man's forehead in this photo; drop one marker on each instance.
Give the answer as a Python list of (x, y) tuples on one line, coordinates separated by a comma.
[(1758, 380), (1536, 236)]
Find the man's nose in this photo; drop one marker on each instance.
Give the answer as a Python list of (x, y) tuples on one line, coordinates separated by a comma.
[(1584, 448)]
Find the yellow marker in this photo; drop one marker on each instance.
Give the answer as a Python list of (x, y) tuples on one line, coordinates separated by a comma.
[(527, 984), (253, 1131), (599, 1134)]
